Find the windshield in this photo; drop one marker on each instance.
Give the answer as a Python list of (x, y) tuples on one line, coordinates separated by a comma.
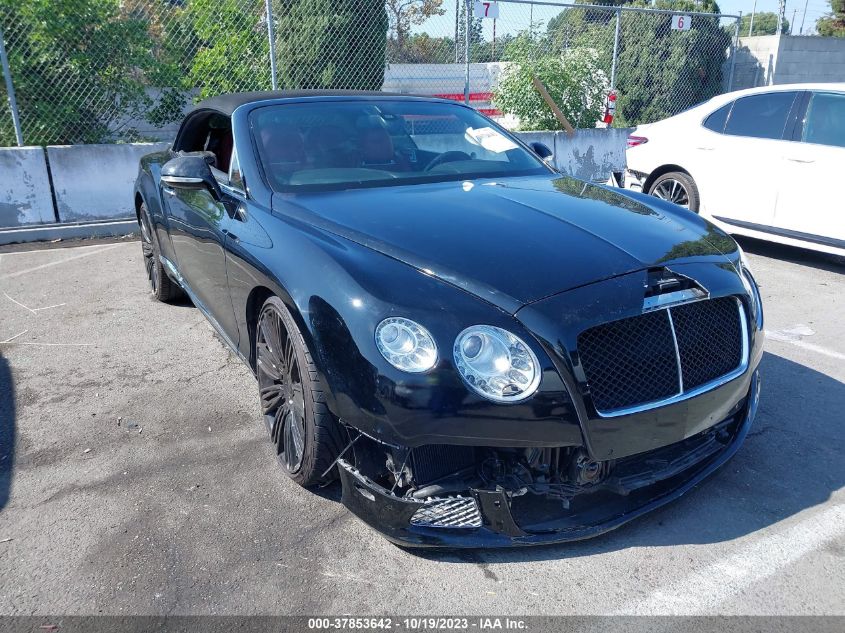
[(343, 144)]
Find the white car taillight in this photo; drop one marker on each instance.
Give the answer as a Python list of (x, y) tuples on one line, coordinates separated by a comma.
[(633, 141)]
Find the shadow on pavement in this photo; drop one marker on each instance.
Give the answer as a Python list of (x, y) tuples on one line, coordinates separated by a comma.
[(805, 257), (7, 431), (791, 461)]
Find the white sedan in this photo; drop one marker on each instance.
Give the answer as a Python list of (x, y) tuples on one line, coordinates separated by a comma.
[(765, 162)]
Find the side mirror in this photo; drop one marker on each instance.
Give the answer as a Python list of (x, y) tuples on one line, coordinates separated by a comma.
[(190, 171), (542, 150)]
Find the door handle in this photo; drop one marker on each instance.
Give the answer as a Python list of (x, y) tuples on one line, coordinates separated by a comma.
[(231, 236), (168, 191), (801, 160)]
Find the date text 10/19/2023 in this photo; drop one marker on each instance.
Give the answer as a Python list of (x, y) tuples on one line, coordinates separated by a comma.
[(417, 623)]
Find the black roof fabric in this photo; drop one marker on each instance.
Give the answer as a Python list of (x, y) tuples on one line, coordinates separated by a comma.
[(227, 103)]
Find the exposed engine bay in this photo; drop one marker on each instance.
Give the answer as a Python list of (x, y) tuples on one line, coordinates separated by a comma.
[(552, 475)]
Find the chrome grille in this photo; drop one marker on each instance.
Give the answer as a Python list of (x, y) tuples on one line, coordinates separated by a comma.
[(709, 344), (662, 355), (456, 512)]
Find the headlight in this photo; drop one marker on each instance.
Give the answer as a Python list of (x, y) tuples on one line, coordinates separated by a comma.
[(496, 364), (406, 345)]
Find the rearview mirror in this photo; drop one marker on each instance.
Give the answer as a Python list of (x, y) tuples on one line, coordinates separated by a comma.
[(190, 171), (542, 150)]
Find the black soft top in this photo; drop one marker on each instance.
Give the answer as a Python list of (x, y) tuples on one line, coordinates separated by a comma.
[(227, 103)]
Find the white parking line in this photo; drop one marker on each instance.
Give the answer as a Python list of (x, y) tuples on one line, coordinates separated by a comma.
[(20, 273), (703, 591), (810, 347)]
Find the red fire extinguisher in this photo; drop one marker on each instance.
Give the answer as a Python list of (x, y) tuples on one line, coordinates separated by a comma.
[(610, 107)]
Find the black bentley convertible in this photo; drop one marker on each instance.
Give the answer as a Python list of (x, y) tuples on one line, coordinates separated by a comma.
[(484, 351)]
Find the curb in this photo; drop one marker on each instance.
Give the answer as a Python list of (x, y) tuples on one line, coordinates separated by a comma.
[(75, 230)]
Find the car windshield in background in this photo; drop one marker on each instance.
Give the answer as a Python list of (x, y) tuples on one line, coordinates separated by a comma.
[(344, 144)]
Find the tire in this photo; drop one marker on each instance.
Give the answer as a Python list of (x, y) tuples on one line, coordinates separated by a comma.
[(677, 187), (306, 436), (163, 287)]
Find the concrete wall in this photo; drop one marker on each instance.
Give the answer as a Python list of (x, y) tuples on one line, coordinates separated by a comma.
[(765, 60), (94, 182), (24, 187), (592, 154)]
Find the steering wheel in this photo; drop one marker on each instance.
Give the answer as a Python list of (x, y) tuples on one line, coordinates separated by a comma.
[(446, 157)]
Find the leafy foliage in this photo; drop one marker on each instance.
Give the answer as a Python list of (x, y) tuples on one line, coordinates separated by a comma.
[(402, 15), (331, 43), (765, 23), (833, 24), (79, 69), (234, 51), (573, 78)]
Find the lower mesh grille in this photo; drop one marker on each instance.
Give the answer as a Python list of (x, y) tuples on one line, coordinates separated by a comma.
[(457, 512), (635, 361)]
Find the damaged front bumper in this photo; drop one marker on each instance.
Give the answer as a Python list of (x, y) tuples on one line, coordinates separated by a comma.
[(497, 517)]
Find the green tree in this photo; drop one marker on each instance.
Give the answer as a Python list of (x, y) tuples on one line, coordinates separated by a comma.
[(660, 71), (233, 53), (331, 43), (80, 69), (833, 24), (403, 14), (573, 78), (765, 23)]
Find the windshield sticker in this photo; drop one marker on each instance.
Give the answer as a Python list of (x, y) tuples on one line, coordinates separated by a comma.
[(489, 139)]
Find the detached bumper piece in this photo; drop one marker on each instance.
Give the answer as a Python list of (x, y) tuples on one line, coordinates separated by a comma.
[(494, 516)]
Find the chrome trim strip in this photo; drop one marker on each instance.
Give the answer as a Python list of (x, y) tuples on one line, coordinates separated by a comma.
[(658, 302), (713, 384), (181, 180), (677, 353)]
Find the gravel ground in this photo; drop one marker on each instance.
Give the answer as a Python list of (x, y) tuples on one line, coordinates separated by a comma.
[(136, 478)]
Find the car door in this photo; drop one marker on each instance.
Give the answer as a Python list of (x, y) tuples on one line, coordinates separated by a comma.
[(810, 204), (739, 184), (200, 226)]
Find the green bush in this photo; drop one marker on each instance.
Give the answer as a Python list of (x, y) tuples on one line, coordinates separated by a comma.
[(573, 78), (333, 44)]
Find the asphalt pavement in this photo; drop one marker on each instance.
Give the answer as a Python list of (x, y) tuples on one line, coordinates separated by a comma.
[(136, 477)]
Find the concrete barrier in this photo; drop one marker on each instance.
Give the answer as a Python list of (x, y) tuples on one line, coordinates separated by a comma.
[(94, 182), (592, 154), (25, 196)]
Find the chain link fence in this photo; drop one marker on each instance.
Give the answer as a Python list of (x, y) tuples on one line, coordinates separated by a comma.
[(89, 71)]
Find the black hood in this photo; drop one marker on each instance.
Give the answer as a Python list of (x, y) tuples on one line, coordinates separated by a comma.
[(515, 241)]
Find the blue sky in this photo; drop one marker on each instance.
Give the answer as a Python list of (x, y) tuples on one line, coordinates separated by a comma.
[(515, 17)]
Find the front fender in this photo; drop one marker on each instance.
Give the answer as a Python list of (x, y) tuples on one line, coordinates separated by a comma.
[(338, 291)]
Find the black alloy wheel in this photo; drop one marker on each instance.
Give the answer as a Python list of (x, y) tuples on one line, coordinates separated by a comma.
[(305, 434), (163, 287), (148, 252)]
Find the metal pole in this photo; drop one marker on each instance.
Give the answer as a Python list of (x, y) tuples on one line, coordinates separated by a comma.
[(271, 37), (751, 24), (467, 25), (615, 49), (792, 24), (457, 32), (10, 90), (734, 46), (803, 17), (781, 11)]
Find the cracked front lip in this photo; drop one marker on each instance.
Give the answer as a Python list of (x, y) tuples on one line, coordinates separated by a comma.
[(390, 515)]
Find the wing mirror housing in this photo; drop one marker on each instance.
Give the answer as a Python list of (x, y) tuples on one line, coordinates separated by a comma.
[(542, 150), (191, 171)]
